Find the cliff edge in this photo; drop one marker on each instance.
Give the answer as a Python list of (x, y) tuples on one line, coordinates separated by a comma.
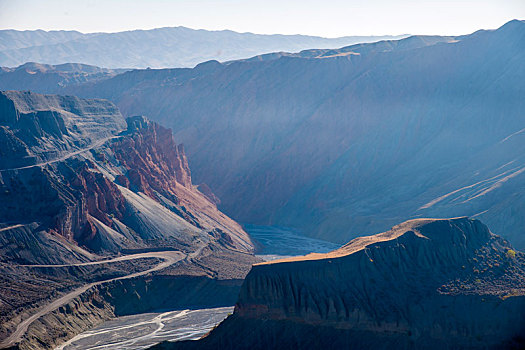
[(425, 284)]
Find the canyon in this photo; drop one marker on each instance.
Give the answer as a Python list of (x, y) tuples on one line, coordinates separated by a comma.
[(434, 122), (415, 141), (99, 211)]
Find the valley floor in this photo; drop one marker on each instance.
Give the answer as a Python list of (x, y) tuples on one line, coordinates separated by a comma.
[(279, 242), (168, 258), (144, 330)]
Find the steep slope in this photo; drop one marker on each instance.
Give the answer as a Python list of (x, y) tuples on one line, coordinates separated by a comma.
[(425, 284), (80, 184), (157, 48), (351, 144), (36, 129), (71, 164)]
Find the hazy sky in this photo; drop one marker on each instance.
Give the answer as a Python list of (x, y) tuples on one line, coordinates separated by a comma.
[(325, 18)]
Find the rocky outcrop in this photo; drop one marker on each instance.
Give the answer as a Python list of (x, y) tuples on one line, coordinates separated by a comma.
[(100, 199), (80, 170), (425, 284), (36, 128), (81, 183), (154, 161)]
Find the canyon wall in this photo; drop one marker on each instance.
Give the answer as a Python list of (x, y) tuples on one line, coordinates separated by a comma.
[(80, 183), (434, 122), (428, 284)]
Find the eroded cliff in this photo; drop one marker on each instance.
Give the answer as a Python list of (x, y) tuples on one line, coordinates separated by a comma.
[(78, 184), (424, 284), (78, 169)]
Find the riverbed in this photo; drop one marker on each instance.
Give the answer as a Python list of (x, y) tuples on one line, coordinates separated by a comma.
[(145, 330)]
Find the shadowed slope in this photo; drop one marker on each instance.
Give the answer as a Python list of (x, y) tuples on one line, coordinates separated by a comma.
[(352, 144), (426, 284)]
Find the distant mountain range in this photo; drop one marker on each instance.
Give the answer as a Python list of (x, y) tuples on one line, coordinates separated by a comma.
[(156, 48), (350, 141)]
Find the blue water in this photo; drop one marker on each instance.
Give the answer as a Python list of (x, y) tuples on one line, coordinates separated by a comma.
[(281, 241)]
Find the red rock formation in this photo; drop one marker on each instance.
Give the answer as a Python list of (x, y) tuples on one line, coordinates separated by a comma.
[(153, 160), (73, 190), (157, 166), (102, 198)]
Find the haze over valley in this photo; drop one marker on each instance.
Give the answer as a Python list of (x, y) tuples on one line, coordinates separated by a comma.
[(174, 188), (435, 122), (156, 48)]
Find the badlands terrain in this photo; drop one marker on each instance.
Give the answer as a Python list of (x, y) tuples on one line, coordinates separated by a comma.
[(108, 239), (81, 187), (425, 284), (434, 122)]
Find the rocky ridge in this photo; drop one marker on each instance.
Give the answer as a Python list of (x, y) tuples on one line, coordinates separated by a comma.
[(426, 283), (155, 48), (86, 176), (45, 78), (82, 184)]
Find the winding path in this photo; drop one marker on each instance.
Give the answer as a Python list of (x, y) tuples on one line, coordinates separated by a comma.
[(168, 257), (95, 144)]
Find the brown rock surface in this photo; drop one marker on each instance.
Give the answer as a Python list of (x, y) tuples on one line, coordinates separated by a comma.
[(80, 155), (80, 183)]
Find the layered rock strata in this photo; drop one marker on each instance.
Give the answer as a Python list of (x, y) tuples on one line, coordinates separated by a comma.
[(79, 183)]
